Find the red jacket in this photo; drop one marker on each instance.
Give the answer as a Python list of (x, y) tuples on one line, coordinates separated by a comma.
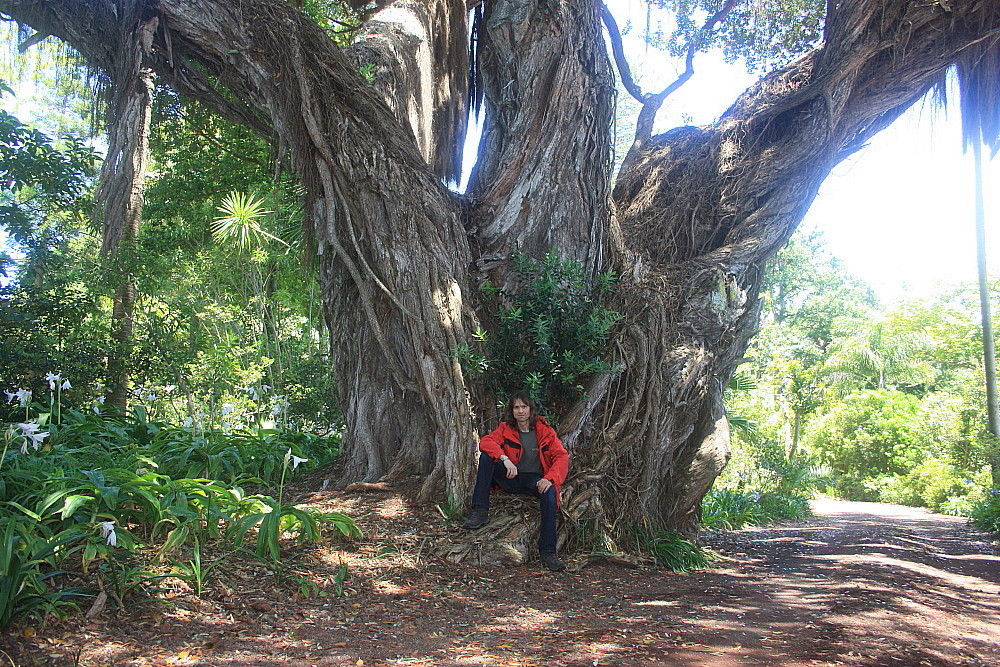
[(551, 453)]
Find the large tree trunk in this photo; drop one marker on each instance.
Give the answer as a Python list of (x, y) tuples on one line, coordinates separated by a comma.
[(542, 180), (694, 216)]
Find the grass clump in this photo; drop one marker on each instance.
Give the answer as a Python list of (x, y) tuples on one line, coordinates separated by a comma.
[(675, 552)]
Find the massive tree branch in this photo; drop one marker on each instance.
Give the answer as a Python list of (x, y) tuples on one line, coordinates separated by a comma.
[(750, 176), (707, 206), (416, 52), (545, 157)]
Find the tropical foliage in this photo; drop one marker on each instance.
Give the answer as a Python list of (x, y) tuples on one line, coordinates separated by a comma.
[(879, 403), (219, 336), (85, 491), (550, 332), (230, 395)]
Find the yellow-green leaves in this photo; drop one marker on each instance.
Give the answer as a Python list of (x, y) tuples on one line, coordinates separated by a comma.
[(243, 215)]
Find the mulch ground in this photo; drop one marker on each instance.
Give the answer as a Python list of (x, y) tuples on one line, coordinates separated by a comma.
[(858, 584)]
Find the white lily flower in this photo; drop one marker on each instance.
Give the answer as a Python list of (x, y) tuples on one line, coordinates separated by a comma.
[(10, 395), (265, 388), (226, 408), (24, 396), (101, 399), (108, 532), (187, 423), (36, 438), (53, 378), (29, 428), (276, 410), (66, 385), (296, 460)]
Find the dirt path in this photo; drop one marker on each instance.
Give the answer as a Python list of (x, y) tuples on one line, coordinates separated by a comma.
[(858, 584), (864, 584)]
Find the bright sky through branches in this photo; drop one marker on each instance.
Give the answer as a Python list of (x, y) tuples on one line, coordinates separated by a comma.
[(899, 213)]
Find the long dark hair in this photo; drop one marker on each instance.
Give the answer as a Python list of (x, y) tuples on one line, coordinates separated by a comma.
[(532, 409)]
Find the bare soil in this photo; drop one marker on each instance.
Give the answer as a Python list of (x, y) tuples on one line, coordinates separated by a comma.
[(858, 584)]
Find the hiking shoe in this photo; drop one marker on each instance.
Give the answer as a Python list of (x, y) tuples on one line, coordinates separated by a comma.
[(480, 517), (552, 562)]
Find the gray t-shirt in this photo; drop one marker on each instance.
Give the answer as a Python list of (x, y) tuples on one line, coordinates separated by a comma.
[(529, 461)]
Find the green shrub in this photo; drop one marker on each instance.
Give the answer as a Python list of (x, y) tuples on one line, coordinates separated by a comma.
[(784, 506), (761, 485), (550, 333), (28, 563), (275, 519), (106, 484), (729, 509), (869, 435), (985, 514), (958, 506), (935, 484)]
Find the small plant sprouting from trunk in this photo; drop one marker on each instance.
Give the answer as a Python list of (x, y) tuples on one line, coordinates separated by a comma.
[(550, 332)]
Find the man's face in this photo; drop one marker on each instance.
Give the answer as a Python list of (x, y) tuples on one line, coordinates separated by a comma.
[(521, 411)]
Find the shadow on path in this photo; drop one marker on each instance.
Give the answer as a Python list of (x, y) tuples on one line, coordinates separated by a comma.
[(866, 584), (858, 584)]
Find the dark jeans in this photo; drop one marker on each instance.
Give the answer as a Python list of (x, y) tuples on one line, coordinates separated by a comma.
[(495, 473)]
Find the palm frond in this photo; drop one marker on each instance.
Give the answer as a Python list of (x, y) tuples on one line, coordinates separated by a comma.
[(979, 93), (742, 381)]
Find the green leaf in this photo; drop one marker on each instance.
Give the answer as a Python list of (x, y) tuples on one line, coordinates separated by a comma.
[(72, 503)]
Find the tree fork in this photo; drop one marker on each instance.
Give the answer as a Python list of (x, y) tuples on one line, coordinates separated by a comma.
[(700, 210)]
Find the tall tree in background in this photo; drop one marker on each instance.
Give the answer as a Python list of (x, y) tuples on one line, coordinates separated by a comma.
[(980, 100), (693, 217), (122, 187)]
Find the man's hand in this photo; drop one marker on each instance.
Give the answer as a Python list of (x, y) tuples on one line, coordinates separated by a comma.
[(543, 485), (511, 469)]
